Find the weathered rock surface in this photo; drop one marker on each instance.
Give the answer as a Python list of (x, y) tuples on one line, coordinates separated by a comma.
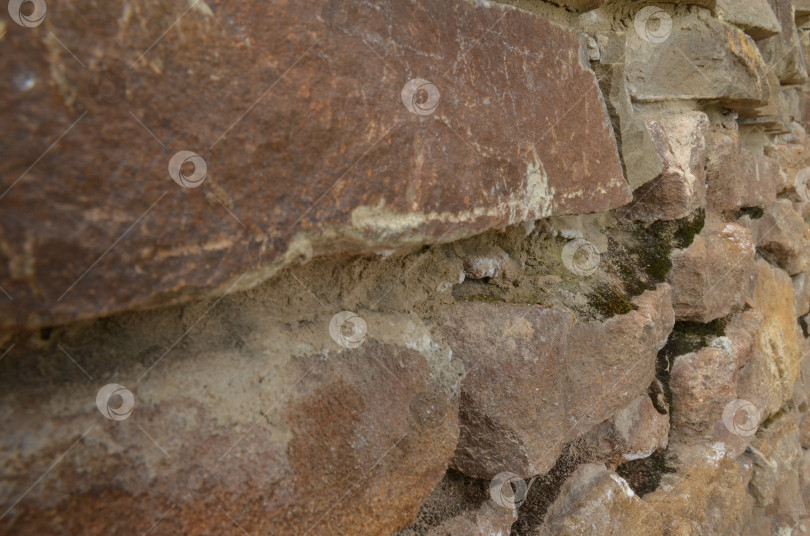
[(307, 144), (738, 177), (703, 58), (634, 432), (783, 52), (525, 395), (768, 377), (639, 157), (278, 445), (707, 495), (597, 501), (754, 16), (709, 278), (681, 188), (702, 384), (777, 459), (782, 234)]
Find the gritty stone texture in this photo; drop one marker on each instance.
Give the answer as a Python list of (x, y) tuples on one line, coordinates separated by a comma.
[(282, 444), (782, 234), (709, 278), (681, 188), (597, 501), (801, 290), (309, 148), (707, 495), (524, 395), (639, 157), (777, 462), (717, 60), (754, 16), (767, 379), (783, 52), (634, 432), (738, 177)]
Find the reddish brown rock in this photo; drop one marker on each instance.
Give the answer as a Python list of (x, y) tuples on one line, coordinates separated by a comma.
[(738, 177), (783, 52), (535, 380), (702, 384), (681, 187), (782, 234), (320, 442), (309, 143), (634, 432), (709, 279), (596, 501), (776, 459)]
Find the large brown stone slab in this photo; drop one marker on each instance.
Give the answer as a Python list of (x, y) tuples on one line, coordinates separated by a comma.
[(536, 380), (295, 435), (314, 138)]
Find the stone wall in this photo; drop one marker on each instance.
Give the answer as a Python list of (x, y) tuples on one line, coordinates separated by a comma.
[(420, 267)]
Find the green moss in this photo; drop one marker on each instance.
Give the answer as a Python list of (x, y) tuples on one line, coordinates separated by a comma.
[(609, 301)]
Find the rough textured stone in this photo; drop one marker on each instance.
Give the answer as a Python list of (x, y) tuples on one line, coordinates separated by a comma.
[(681, 188), (639, 157), (707, 495), (777, 460), (596, 501), (709, 278), (782, 234), (702, 384), (767, 379), (281, 444), (634, 432), (535, 380), (702, 59), (309, 148), (754, 16), (801, 292), (738, 177), (783, 52)]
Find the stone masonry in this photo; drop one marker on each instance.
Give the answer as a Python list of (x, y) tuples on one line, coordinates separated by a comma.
[(405, 267)]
